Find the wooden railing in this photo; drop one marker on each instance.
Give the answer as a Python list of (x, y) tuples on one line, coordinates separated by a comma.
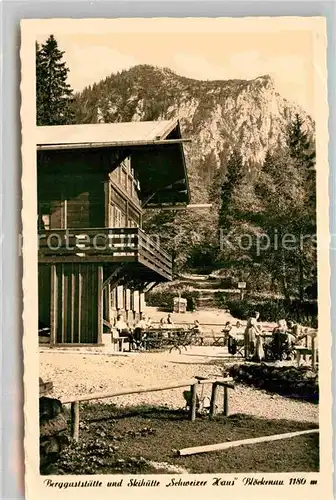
[(104, 245), (194, 383)]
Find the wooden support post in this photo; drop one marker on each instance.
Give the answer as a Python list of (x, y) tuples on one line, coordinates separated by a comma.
[(313, 348), (193, 405), (53, 306), (75, 420), (100, 305), (226, 401), (63, 306), (72, 314), (80, 291), (213, 399)]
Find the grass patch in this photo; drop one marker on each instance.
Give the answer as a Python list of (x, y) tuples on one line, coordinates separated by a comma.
[(129, 440)]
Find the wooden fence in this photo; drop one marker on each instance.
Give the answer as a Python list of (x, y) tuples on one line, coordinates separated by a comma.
[(225, 382)]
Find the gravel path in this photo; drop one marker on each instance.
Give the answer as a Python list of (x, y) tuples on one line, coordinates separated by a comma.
[(80, 372)]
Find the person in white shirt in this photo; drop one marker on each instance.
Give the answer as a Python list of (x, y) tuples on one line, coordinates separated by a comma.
[(235, 330), (121, 325), (140, 331)]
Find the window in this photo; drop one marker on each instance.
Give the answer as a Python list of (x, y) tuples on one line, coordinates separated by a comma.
[(117, 217), (133, 218), (44, 217), (118, 200)]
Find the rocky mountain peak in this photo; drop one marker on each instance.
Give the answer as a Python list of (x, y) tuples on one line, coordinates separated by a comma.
[(218, 115)]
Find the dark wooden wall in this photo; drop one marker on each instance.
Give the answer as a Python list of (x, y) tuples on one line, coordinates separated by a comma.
[(84, 195), (44, 294), (76, 303)]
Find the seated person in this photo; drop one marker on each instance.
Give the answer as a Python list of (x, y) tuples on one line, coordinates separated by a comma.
[(140, 331), (149, 322), (298, 333), (226, 330), (170, 319), (123, 330), (196, 325), (121, 326), (235, 330), (280, 337), (294, 330), (197, 330), (233, 336), (162, 322)]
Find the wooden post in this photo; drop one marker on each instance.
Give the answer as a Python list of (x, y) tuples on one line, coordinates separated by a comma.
[(80, 291), (313, 348), (53, 306), (100, 278), (193, 404), (226, 401), (75, 420), (213, 399), (72, 315), (298, 358), (63, 306)]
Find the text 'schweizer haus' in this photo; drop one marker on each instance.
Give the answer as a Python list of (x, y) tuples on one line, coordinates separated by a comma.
[(94, 259)]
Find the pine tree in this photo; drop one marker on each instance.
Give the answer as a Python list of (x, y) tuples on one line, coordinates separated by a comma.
[(234, 176), (301, 147), (53, 93), (302, 150)]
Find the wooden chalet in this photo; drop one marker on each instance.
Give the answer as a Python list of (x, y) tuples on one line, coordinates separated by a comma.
[(94, 181)]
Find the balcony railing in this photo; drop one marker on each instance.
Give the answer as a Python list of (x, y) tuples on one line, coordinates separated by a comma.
[(104, 245)]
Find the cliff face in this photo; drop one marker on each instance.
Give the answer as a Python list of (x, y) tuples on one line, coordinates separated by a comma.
[(217, 115)]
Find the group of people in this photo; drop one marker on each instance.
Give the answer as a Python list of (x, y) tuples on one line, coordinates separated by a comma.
[(284, 333), (134, 335), (166, 321), (137, 334)]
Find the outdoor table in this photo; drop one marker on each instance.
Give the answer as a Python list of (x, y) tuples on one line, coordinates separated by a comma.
[(156, 337), (164, 337)]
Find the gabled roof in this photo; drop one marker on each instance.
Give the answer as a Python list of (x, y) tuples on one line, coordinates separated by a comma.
[(156, 149), (122, 133)]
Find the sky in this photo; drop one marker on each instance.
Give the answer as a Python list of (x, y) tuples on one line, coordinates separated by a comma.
[(204, 51)]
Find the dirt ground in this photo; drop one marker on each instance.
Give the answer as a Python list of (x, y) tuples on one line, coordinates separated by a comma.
[(137, 434), (84, 371)]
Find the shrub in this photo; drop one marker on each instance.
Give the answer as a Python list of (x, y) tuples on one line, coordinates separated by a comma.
[(301, 383), (165, 299), (304, 313)]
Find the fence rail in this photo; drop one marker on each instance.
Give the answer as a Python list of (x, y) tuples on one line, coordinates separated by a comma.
[(225, 382)]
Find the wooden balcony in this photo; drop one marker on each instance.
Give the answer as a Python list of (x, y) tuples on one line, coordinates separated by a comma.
[(106, 245)]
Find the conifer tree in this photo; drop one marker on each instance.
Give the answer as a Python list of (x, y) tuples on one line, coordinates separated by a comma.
[(234, 176), (53, 93), (301, 147)]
